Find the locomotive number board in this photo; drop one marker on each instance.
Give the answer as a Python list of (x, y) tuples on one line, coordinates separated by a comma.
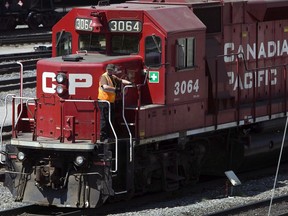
[(125, 26), (83, 24)]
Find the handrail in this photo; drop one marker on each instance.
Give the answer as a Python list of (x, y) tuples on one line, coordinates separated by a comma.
[(3, 147), (14, 123), (21, 88), (125, 121), (123, 112), (110, 122), (115, 135), (21, 110)]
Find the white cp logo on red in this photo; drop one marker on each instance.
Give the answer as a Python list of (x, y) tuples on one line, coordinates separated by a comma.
[(75, 81)]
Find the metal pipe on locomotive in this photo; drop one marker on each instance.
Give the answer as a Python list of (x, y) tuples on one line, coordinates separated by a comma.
[(211, 96)]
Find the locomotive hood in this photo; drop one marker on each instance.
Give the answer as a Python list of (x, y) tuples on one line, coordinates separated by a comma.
[(82, 72)]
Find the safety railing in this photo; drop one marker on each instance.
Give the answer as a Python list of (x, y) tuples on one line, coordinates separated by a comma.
[(14, 123), (138, 108), (109, 119), (126, 123)]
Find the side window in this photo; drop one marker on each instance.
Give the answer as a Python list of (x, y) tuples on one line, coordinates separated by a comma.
[(185, 53), (64, 43), (153, 51), (92, 42)]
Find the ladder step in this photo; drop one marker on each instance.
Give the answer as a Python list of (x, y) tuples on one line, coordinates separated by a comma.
[(27, 119), (129, 124)]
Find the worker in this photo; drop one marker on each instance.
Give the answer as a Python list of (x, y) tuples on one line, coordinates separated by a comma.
[(109, 86)]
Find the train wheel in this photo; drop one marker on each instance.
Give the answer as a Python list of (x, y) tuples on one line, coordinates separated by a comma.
[(34, 20), (191, 159)]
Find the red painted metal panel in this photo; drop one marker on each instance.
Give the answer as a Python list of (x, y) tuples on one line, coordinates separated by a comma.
[(264, 10), (162, 120), (175, 19), (83, 79), (229, 88)]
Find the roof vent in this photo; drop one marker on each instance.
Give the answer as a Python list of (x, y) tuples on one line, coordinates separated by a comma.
[(74, 58), (103, 3)]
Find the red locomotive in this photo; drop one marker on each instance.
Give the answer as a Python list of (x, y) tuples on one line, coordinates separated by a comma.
[(210, 95)]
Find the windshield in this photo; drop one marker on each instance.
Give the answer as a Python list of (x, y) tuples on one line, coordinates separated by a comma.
[(92, 42), (121, 44), (125, 44)]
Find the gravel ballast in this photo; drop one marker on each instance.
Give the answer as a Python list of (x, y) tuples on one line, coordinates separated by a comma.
[(210, 201)]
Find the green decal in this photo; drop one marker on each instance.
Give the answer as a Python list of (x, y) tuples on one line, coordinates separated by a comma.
[(153, 76)]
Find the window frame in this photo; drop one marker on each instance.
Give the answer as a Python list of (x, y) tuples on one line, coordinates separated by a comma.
[(185, 53), (64, 39), (156, 52)]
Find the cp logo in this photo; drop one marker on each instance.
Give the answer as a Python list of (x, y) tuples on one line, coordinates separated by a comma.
[(75, 81)]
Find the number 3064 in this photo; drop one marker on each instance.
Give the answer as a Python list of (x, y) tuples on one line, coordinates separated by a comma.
[(186, 87)]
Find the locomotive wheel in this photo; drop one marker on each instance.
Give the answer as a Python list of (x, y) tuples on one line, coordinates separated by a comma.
[(34, 20), (191, 161)]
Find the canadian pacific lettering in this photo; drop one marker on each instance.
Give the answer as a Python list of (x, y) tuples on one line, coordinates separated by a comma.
[(251, 51), (261, 78)]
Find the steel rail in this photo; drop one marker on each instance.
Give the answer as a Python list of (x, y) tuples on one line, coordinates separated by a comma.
[(13, 84), (32, 37), (25, 56), (250, 206), (33, 210)]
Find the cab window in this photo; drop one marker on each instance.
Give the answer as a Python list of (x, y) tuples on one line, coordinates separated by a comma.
[(92, 42), (185, 53), (153, 51), (63, 43), (125, 44)]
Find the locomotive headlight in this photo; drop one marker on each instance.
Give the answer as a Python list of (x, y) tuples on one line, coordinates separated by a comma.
[(79, 160), (61, 78), (20, 156), (61, 89)]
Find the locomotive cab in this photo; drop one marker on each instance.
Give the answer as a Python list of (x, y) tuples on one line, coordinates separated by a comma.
[(172, 53)]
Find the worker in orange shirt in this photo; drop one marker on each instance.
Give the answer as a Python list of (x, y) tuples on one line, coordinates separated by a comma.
[(109, 86)]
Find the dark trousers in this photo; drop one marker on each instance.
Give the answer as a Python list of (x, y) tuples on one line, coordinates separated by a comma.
[(104, 119)]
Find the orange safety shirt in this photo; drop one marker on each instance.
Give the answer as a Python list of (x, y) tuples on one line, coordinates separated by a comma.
[(104, 95)]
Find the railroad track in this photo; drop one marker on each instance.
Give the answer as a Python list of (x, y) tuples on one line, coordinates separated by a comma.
[(25, 57), (256, 208), (279, 208), (29, 61), (35, 210), (144, 202), (13, 84), (25, 36)]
